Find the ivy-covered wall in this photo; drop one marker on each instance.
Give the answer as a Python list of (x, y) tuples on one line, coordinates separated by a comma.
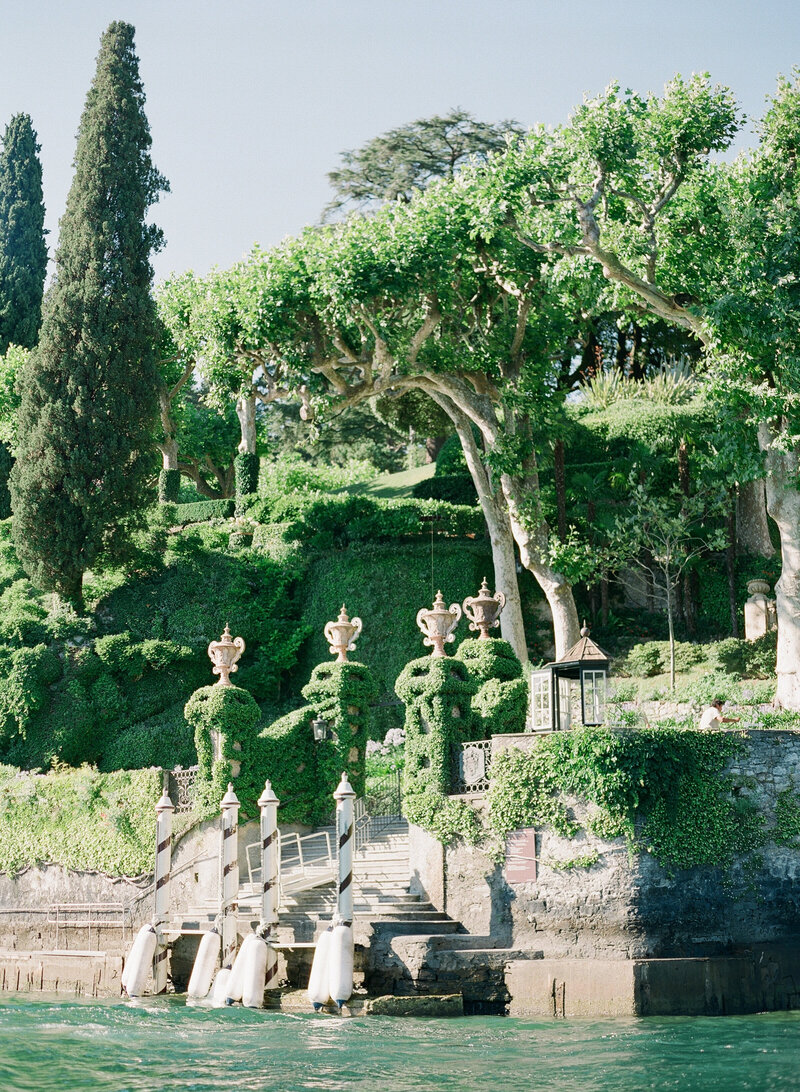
[(649, 843), (80, 819)]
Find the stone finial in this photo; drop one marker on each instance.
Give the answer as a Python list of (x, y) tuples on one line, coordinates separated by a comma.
[(224, 655), (484, 610), (342, 635), (438, 624)]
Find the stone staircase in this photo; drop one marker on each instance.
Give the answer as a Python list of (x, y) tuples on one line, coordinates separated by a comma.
[(404, 945)]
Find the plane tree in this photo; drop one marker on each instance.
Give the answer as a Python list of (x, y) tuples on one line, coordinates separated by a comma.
[(628, 185)]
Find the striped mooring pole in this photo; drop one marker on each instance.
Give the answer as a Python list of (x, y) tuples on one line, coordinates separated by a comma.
[(164, 810), (229, 874), (270, 877), (344, 797)]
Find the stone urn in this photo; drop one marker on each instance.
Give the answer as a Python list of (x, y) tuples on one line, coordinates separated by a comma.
[(224, 655), (438, 624), (483, 610), (342, 635)]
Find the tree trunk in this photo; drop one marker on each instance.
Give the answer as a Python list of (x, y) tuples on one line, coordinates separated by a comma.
[(671, 627), (752, 528), (504, 557), (246, 412), (532, 540), (783, 504), (169, 453), (433, 445)]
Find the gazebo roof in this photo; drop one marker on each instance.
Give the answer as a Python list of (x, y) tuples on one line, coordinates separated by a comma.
[(584, 651)]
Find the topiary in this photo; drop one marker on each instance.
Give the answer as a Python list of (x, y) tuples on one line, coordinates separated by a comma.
[(169, 486), (341, 693), (245, 467), (232, 715)]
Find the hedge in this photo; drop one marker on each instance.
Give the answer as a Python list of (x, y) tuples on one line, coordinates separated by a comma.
[(200, 511)]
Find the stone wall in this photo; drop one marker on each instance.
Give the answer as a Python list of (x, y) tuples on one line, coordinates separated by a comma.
[(623, 908)]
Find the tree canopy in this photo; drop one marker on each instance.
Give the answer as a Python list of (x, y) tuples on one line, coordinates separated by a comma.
[(23, 253), (88, 397)]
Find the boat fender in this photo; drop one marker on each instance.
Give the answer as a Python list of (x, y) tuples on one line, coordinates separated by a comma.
[(139, 964), (236, 980), (318, 993), (254, 978), (340, 964), (220, 988), (205, 963)]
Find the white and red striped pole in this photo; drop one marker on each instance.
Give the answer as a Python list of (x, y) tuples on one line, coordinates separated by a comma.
[(270, 878), (229, 874), (164, 810), (344, 797)]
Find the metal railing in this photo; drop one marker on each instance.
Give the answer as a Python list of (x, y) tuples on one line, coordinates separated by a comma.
[(306, 861), (89, 915), (179, 784), (471, 766), (381, 806)]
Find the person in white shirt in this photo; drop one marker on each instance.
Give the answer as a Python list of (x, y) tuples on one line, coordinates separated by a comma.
[(712, 717)]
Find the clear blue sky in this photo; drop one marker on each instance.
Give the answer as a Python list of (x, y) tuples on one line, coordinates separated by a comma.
[(251, 101)]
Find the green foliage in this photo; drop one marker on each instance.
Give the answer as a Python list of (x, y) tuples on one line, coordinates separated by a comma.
[(164, 740), (453, 488), (437, 693), (666, 784), (200, 511), (500, 704), (289, 760), (787, 818), (79, 819), (450, 461), (336, 522), (645, 660), (341, 694), (246, 470), (169, 486), (402, 161), (88, 398), (23, 252), (751, 659), (233, 716), (446, 819), (29, 672)]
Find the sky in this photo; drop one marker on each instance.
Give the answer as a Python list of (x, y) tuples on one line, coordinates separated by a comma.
[(251, 102)]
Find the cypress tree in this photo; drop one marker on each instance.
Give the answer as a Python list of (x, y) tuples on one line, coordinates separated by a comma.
[(89, 394), (23, 253)]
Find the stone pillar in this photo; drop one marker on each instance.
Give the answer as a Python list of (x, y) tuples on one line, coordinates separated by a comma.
[(759, 611)]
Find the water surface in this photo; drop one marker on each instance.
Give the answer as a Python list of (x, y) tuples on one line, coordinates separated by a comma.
[(55, 1045)]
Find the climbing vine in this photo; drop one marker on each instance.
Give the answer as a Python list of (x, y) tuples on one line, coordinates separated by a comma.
[(341, 693), (664, 789)]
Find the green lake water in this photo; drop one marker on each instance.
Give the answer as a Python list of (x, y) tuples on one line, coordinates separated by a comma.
[(54, 1045)]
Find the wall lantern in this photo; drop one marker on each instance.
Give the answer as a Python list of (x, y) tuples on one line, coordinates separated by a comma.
[(321, 730), (575, 684)]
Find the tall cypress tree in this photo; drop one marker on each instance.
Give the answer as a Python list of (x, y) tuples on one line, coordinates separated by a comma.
[(89, 396), (23, 253)]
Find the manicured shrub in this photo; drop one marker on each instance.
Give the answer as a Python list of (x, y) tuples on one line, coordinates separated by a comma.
[(245, 467), (169, 486), (233, 715), (450, 460), (341, 694), (453, 488), (202, 511)]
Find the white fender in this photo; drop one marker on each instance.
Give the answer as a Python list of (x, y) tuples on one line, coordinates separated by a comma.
[(340, 964), (236, 980), (254, 978), (139, 964), (318, 993), (220, 989), (205, 963)]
